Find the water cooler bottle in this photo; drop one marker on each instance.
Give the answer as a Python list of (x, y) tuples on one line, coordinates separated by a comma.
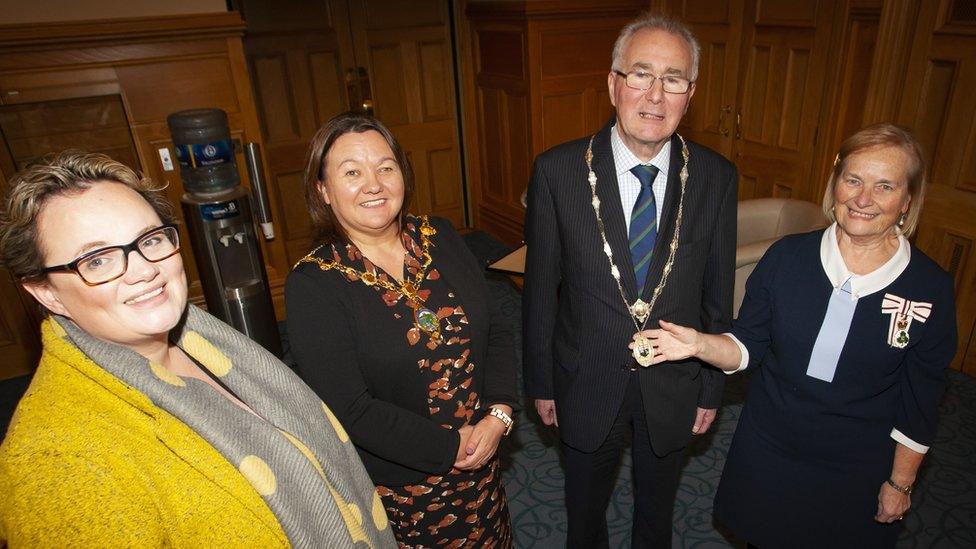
[(220, 222)]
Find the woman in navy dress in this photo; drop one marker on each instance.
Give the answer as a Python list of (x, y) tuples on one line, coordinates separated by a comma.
[(851, 328)]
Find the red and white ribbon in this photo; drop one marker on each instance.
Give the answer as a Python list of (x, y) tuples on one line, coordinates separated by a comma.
[(903, 312)]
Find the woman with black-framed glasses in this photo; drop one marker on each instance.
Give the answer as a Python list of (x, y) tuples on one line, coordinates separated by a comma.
[(150, 422)]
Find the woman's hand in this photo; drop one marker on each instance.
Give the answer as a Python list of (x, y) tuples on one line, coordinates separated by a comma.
[(673, 342), (483, 443), (892, 504), (465, 434)]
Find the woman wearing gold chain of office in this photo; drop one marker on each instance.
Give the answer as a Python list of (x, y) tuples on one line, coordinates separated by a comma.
[(390, 322)]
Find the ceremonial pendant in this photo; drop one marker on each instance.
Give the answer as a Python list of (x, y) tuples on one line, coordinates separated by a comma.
[(901, 336), (427, 321), (643, 352), (640, 310)]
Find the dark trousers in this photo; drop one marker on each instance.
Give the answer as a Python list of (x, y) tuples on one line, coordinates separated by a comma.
[(590, 480)]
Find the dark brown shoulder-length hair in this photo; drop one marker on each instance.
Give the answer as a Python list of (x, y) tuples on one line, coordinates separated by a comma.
[(883, 134), (326, 230)]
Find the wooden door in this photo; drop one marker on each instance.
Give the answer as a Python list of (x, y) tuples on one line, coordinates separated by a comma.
[(298, 53), (782, 69), (304, 58), (940, 106), (406, 49), (717, 25)]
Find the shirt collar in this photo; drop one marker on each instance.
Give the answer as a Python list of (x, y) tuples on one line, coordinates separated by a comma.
[(624, 159), (861, 285)]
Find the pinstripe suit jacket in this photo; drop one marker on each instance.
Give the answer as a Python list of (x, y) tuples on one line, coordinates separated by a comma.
[(577, 327)]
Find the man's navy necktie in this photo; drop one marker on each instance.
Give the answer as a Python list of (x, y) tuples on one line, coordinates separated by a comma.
[(643, 223)]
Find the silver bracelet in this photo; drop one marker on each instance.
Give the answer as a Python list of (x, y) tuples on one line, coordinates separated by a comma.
[(907, 490)]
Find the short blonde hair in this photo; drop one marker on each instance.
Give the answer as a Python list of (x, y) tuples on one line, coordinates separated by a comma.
[(883, 135), (66, 172)]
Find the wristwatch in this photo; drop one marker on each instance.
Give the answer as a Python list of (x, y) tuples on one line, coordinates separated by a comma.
[(505, 418)]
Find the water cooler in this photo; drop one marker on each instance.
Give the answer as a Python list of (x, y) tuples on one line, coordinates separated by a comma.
[(220, 222)]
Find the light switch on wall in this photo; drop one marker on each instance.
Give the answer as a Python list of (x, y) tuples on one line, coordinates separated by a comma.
[(165, 158)]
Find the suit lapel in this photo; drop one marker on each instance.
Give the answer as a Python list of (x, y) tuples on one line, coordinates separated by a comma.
[(665, 224), (611, 211)]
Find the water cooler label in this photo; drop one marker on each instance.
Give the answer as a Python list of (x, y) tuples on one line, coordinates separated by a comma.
[(221, 210), (205, 154)]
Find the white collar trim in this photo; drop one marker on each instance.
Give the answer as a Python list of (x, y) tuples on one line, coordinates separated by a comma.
[(626, 159), (861, 285)]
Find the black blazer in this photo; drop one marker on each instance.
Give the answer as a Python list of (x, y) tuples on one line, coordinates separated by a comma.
[(349, 353), (576, 326)]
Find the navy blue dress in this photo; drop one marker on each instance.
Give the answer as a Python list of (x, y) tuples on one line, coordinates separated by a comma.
[(808, 457)]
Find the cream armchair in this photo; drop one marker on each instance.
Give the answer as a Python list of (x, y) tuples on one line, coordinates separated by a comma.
[(761, 222)]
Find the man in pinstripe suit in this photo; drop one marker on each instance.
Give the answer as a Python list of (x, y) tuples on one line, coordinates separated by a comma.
[(578, 366)]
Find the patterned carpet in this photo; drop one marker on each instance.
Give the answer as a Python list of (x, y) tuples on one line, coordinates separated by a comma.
[(944, 503)]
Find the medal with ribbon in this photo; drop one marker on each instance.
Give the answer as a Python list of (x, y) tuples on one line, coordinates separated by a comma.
[(903, 312)]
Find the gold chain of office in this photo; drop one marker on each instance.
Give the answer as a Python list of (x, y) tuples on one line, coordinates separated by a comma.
[(424, 319), (640, 310)]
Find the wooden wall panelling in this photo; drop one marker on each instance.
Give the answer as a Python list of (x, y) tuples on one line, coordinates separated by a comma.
[(938, 104), (890, 63), (783, 65), (20, 344), (536, 77), (406, 48), (156, 65), (19, 341), (298, 54), (848, 78), (504, 136), (718, 27)]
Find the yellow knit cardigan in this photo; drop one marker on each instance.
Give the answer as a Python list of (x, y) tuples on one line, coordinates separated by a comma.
[(90, 462)]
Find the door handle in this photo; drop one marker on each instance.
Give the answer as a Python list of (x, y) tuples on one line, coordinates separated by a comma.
[(721, 120), (738, 125), (360, 92), (353, 88)]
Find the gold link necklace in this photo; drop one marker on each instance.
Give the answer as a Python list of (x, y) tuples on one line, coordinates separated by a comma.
[(640, 310), (424, 319)]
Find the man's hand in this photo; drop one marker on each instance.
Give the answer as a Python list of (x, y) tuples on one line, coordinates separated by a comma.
[(703, 420), (547, 411)]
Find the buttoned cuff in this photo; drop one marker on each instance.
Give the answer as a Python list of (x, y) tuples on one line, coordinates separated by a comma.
[(744, 361), (911, 444)]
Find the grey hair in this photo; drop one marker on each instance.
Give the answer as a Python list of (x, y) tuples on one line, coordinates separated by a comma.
[(656, 21)]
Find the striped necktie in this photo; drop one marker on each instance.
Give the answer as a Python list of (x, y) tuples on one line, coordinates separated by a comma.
[(643, 223)]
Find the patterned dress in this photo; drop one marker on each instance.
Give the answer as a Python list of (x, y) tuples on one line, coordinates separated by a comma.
[(459, 508)]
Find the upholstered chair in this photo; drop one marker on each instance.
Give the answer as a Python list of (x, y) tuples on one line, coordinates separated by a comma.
[(761, 222)]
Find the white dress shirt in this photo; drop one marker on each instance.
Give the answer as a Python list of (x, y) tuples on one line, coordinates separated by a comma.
[(629, 185)]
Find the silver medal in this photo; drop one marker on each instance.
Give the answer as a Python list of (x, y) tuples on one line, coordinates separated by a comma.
[(643, 351), (640, 309)]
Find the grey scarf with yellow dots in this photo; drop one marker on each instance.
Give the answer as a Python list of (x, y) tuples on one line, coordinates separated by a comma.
[(298, 457)]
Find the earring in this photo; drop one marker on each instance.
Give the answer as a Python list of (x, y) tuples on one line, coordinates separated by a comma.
[(901, 220)]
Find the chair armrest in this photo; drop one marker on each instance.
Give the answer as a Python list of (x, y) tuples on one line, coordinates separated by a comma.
[(752, 252)]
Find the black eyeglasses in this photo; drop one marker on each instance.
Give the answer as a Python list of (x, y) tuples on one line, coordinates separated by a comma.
[(108, 263), (643, 80)]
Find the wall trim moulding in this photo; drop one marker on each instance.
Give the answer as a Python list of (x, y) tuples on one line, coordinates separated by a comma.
[(31, 36), (552, 9)]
